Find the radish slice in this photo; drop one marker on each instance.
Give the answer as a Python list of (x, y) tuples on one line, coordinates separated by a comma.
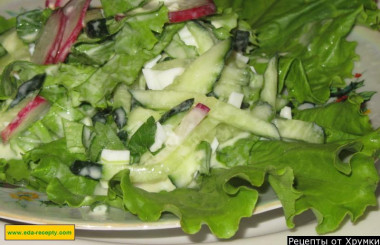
[(32, 112), (190, 121), (48, 44), (60, 32), (50, 59), (189, 10), (53, 4), (74, 12)]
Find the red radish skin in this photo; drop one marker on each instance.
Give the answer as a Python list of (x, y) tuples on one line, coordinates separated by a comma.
[(203, 107), (74, 12), (193, 13), (67, 23), (50, 39), (33, 111), (50, 59), (60, 32)]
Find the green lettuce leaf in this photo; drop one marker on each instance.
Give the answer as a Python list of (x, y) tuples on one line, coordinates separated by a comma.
[(218, 202), (68, 75), (370, 16), (105, 137), (29, 24), (113, 7), (3, 51), (303, 176), (14, 171), (313, 34), (236, 154), (14, 75), (340, 121), (330, 183), (61, 108), (16, 49), (51, 162), (139, 32), (6, 24), (297, 83), (143, 35), (38, 133), (95, 54), (74, 134), (142, 139), (62, 194)]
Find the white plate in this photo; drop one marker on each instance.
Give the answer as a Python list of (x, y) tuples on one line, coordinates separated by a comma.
[(118, 226)]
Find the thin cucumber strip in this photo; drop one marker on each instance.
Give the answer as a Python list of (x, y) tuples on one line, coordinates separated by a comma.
[(169, 160), (300, 130), (269, 91), (202, 73), (223, 112), (202, 36)]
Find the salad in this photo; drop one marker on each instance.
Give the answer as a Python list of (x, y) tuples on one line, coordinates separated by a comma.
[(190, 108)]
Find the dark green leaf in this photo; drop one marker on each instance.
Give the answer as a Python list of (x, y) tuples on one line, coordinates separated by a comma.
[(143, 138), (30, 23), (105, 137)]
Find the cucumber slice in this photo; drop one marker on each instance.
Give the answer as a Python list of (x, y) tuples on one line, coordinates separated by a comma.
[(160, 100), (138, 116), (224, 90), (203, 37), (157, 186), (300, 130), (187, 37), (190, 166), (281, 102), (160, 79), (241, 119), (113, 161), (173, 63), (203, 155), (202, 73), (178, 49), (162, 165), (188, 124), (263, 111), (15, 49), (269, 91), (115, 156), (182, 107), (223, 112), (162, 74), (232, 73), (234, 77), (109, 170)]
